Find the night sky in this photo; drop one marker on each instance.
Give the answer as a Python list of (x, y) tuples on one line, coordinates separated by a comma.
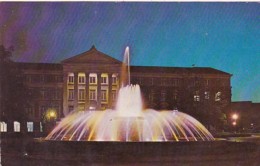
[(224, 36)]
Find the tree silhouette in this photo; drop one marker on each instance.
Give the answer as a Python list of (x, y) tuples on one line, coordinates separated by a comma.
[(15, 96)]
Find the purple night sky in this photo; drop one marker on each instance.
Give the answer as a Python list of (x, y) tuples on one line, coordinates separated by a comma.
[(224, 36)]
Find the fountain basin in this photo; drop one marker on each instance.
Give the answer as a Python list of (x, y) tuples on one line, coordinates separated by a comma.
[(142, 153)]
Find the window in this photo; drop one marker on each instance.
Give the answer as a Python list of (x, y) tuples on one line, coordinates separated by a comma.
[(163, 81), (58, 78), (196, 96), (175, 95), (175, 82), (218, 96), (42, 110), (103, 80), (114, 79), (207, 95), (92, 95), (113, 95), (92, 78), (35, 78), (207, 82), (71, 94), (81, 94), (3, 127), (81, 78), (151, 81), (29, 111), (30, 126), (43, 93), (163, 96), (71, 79), (56, 94), (41, 127), (103, 95), (151, 96), (16, 126), (28, 78)]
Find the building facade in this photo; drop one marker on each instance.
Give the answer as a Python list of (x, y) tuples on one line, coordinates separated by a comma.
[(91, 81)]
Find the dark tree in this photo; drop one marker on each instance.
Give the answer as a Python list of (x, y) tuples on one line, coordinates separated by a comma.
[(14, 94)]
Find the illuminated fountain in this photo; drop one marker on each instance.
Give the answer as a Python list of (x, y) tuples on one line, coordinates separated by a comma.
[(129, 122)]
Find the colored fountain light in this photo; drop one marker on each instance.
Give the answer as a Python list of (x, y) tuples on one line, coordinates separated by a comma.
[(129, 122)]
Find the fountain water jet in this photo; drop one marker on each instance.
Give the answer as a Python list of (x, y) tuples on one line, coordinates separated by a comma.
[(129, 122)]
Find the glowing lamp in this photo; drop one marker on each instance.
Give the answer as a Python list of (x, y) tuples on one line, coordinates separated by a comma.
[(234, 123), (234, 116)]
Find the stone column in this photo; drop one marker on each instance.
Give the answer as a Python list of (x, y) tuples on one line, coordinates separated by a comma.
[(65, 94), (98, 91), (76, 90), (110, 101), (87, 91)]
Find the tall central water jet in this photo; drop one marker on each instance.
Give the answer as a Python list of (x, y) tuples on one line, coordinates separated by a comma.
[(125, 73), (129, 122)]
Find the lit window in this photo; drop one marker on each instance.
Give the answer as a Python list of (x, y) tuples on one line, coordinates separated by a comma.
[(71, 79), (218, 96), (3, 127), (196, 96), (207, 95), (114, 79), (103, 80), (71, 94), (92, 78), (103, 95), (41, 127), (81, 94), (16, 126), (92, 95), (30, 126), (81, 80)]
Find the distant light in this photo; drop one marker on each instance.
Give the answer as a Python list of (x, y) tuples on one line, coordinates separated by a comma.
[(235, 116), (234, 123), (52, 114)]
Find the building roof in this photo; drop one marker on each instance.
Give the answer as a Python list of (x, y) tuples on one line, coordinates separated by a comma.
[(39, 66), (92, 56), (177, 70)]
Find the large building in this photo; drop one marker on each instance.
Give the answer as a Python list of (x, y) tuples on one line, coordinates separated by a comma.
[(91, 81)]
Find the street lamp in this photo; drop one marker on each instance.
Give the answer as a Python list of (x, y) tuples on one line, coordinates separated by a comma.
[(234, 123), (52, 114), (235, 116)]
